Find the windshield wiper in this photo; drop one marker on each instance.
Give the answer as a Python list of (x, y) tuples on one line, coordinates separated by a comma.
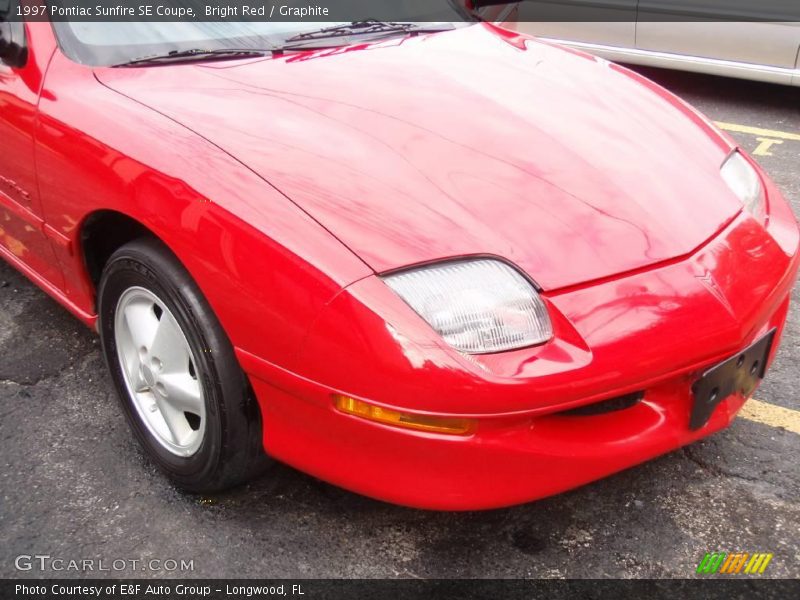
[(355, 28), (366, 27), (193, 54)]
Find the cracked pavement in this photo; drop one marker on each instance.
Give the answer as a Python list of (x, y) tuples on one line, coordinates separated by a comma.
[(74, 484)]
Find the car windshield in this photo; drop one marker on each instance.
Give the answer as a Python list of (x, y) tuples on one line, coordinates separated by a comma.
[(107, 43)]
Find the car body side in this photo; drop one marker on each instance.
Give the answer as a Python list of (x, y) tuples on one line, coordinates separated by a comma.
[(309, 318)]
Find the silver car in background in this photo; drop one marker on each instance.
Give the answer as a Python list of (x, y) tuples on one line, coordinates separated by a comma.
[(749, 39)]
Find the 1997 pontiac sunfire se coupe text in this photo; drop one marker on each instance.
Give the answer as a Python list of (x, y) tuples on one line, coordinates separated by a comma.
[(450, 269)]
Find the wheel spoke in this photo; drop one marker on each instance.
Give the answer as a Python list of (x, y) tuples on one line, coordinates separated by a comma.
[(138, 383), (170, 346), (175, 421), (142, 323), (130, 359), (183, 392)]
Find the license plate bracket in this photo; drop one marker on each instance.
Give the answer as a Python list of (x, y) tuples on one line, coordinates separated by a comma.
[(740, 373)]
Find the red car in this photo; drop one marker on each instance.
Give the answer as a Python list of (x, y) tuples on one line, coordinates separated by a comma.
[(442, 265)]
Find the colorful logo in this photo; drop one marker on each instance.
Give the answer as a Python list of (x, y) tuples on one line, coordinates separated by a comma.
[(734, 564)]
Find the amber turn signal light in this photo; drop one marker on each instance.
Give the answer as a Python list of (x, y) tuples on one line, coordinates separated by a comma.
[(432, 424)]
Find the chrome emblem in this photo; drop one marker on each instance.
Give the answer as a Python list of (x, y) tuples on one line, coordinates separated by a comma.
[(711, 284)]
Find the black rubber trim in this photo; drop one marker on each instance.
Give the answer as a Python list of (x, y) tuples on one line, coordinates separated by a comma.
[(606, 406)]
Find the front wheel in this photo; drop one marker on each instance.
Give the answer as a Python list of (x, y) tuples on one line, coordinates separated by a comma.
[(181, 388)]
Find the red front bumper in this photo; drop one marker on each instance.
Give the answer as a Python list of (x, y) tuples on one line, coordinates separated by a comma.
[(508, 461), (653, 331)]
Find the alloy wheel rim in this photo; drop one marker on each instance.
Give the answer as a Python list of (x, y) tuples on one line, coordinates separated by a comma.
[(160, 371)]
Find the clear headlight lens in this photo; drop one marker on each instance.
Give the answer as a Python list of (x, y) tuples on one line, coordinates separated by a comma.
[(742, 178), (478, 306)]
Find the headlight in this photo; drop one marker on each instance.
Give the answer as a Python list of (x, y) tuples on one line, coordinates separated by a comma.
[(477, 306), (742, 178)]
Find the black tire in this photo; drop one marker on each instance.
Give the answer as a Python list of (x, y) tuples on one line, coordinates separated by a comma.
[(231, 451)]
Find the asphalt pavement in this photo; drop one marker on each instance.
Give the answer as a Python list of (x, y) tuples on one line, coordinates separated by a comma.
[(75, 486)]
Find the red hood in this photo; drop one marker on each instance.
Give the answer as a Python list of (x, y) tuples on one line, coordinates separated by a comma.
[(465, 142)]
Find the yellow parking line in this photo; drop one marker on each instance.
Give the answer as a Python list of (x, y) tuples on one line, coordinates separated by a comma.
[(764, 146), (770, 133), (769, 414)]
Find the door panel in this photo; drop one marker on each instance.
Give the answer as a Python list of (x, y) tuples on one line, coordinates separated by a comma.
[(21, 224), (610, 22), (717, 29)]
